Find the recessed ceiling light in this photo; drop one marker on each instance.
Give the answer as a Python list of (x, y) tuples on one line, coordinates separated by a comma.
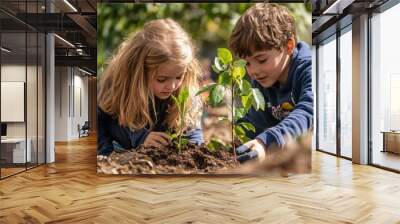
[(65, 41), (337, 7), (84, 71), (70, 5), (5, 49)]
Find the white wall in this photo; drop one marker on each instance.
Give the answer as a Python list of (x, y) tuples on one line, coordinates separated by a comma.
[(12, 73), (34, 124), (80, 110), (71, 93), (61, 103)]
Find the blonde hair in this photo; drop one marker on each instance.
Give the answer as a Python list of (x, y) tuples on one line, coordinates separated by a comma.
[(125, 85), (264, 26)]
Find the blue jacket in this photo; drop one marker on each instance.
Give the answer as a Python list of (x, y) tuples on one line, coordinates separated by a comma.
[(111, 136), (288, 107)]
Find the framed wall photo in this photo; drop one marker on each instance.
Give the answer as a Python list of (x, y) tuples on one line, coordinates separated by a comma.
[(176, 98)]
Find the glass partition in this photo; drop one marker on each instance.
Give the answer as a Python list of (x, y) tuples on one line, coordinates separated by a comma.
[(14, 145), (22, 78)]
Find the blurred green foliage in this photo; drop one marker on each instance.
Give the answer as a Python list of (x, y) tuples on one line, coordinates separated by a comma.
[(209, 24)]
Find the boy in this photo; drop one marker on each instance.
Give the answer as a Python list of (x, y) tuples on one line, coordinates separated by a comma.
[(265, 36)]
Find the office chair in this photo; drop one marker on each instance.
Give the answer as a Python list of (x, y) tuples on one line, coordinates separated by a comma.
[(84, 130)]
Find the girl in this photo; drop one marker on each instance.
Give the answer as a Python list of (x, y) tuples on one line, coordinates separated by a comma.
[(135, 105)]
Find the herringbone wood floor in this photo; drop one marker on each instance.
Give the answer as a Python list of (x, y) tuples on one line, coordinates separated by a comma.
[(70, 191)]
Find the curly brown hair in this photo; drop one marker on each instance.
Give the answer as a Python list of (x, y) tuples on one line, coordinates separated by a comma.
[(264, 26)]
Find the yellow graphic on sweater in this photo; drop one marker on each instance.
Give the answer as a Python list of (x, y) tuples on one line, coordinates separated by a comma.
[(287, 106)]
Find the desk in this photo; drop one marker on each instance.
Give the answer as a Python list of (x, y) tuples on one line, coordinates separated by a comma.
[(391, 141), (15, 148)]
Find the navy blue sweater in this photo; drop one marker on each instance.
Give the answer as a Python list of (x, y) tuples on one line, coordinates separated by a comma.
[(288, 107), (111, 136)]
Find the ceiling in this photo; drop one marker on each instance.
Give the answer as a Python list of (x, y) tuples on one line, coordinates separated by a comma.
[(74, 22), (330, 15)]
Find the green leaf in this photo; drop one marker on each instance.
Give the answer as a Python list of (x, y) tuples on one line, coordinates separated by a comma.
[(215, 69), (243, 138), (238, 73), (218, 66), (248, 126), (184, 141), (246, 102), (258, 102), (217, 94), (176, 102), (245, 87), (241, 63), (239, 130), (224, 55), (174, 136), (215, 144), (206, 88), (239, 113), (183, 95), (225, 79), (181, 100), (211, 147)]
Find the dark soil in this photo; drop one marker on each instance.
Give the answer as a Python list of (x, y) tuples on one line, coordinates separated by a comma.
[(149, 160)]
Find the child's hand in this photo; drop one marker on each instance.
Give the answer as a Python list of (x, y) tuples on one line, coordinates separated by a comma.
[(157, 139), (251, 150)]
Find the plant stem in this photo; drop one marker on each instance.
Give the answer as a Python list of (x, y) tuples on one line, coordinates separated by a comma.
[(232, 120), (182, 114)]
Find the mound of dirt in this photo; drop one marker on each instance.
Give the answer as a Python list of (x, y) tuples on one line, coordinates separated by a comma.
[(192, 159)]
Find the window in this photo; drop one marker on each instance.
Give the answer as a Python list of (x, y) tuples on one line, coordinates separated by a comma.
[(346, 75), (385, 86), (327, 96)]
